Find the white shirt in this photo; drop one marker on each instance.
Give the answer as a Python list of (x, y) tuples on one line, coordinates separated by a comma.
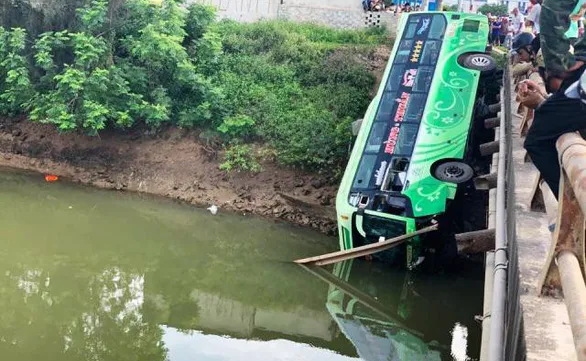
[(534, 16), (518, 23)]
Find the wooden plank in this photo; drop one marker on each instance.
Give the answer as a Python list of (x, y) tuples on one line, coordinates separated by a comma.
[(489, 148), (492, 123), (338, 256), (485, 182), (475, 242)]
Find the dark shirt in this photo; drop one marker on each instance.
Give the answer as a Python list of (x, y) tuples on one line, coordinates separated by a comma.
[(496, 27)]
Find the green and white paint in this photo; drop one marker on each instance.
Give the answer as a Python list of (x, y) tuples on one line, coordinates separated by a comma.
[(431, 121)]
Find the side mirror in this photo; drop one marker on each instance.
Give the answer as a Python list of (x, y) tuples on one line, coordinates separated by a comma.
[(356, 126)]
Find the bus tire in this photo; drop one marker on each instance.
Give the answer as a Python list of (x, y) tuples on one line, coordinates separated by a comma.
[(452, 171), (479, 61)]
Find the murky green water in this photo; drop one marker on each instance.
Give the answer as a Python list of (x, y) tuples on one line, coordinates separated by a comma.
[(96, 275)]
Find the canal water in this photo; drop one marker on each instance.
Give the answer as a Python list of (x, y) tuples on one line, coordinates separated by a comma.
[(88, 274)]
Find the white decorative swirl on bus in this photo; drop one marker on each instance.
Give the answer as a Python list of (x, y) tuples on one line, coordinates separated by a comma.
[(428, 197), (458, 83), (439, 105)]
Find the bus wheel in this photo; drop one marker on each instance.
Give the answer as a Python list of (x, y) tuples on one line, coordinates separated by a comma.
[(479, 61), (452, 171)]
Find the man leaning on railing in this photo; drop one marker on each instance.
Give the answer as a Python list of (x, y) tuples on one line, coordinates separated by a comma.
[(562, 111)]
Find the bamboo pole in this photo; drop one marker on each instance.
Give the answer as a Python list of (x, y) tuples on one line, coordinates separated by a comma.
[(339, 256)]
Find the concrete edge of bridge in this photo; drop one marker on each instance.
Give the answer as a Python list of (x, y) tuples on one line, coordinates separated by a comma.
[(547, 330)]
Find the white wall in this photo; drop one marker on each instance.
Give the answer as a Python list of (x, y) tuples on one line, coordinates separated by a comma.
[(334, 4), (244, 10), (346, 14)]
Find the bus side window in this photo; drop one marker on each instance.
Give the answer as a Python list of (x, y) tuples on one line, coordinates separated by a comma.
[(403, 52), (415, 107), (395, 176), (376, 137), (411, 27), (430, 52), (407, 139), (365, 171), (438, 28), (385, 110), (395, 77), (423, 79)]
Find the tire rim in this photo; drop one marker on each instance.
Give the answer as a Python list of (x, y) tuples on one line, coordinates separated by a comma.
[(480, 61), (454, 172)]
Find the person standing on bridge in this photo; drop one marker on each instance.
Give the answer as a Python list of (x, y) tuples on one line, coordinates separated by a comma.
[(559, 113), (533, 19), (518, 22)]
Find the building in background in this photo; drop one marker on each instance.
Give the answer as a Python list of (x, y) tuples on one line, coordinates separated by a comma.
[(522, 5)]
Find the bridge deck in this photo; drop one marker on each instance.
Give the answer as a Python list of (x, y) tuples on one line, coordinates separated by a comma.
[(547, 329)]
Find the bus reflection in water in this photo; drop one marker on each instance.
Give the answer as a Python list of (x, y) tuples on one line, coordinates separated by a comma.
[(386, 317)]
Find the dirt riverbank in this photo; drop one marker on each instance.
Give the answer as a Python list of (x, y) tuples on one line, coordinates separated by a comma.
[(173, 163)]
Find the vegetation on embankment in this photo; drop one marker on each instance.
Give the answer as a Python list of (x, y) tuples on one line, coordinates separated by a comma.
[(294, 88)]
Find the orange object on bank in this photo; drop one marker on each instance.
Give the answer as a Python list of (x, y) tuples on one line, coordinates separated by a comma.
[(51, 178)]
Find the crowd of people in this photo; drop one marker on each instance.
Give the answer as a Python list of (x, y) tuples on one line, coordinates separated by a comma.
[(379, 5), (550, 71), (503, 29)]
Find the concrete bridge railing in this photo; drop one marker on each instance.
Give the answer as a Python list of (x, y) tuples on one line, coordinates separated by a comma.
[(565, 269)]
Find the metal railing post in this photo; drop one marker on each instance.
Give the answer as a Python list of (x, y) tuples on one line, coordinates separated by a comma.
[(575, 298)]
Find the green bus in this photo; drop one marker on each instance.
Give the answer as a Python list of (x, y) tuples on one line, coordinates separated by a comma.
[(410, 153)]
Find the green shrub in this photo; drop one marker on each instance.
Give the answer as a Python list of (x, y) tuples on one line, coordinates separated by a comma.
[(301, 84), (16, 89), (450, 8), (240, 157), (238, 126)]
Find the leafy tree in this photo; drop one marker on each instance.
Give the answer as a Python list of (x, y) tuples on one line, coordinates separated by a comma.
[(103, 72), (494, 9), (450, 8), (15, 84)]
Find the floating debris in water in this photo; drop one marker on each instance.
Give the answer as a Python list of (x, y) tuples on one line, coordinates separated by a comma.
[(213, 209)]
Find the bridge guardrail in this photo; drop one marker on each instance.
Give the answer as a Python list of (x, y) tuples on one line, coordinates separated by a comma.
[(503, 320), (565, 268)]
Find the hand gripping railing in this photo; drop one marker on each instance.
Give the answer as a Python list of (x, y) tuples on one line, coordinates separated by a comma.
[(565, 266)]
